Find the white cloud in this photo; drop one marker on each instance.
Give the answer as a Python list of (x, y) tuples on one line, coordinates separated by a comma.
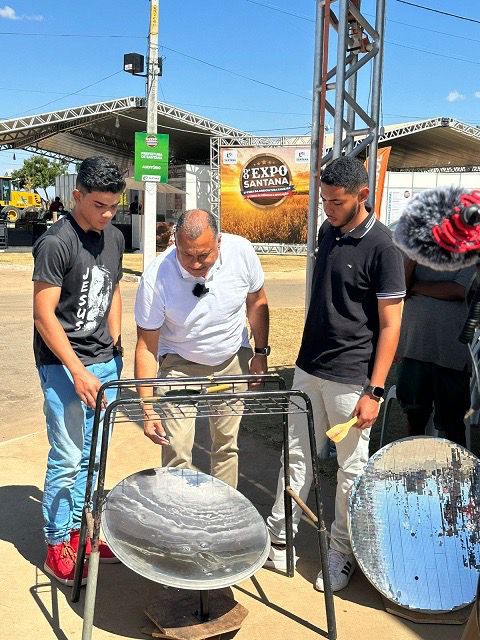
[(8, 13), (477, 94), (455, 96)]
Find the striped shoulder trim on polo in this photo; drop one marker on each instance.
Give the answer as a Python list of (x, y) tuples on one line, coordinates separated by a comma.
[(391, 294), (363, 228), (368, 226)]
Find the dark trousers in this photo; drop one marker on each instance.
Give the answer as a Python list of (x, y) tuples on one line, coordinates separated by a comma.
[(423, 387)]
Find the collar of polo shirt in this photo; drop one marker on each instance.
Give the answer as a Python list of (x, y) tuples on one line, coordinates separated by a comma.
[(363, 228)]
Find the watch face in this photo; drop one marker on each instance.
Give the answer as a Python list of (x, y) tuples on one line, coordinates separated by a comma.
[(376, 392), (264, 351)]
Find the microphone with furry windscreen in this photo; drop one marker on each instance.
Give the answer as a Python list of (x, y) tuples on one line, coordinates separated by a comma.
[(440, 229)]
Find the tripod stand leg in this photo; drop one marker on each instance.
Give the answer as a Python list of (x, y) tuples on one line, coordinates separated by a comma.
[(90, 595)]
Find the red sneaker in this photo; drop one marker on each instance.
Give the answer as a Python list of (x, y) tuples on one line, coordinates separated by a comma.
[(106, 554), (60, 563)]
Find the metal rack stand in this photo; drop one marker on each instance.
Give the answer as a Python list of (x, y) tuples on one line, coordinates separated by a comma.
[(190, 397)]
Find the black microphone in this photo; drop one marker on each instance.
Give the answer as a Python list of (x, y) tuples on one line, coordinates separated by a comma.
[(199, 290), (439, 228)]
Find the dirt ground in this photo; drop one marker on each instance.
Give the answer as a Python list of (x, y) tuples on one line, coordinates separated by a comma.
[(280, 608)]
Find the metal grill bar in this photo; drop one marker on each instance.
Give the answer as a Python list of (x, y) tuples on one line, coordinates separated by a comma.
[(214, 405)]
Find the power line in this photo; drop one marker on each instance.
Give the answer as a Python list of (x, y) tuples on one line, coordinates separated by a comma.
[(239, 75), (261, 4), (288, 13), (439, 33), (389, 20), (178, 103), (432, 53), (444, 13), (69, 35), (46, 104), (234, 73), (185, 55), (53, 93)]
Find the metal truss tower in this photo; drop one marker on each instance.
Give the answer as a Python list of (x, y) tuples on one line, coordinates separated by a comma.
[(356, 128)]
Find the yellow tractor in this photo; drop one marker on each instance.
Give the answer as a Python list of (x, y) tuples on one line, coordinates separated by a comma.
[(15, 205)]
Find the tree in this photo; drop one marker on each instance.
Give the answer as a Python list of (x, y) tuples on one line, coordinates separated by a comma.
[(38, 172)]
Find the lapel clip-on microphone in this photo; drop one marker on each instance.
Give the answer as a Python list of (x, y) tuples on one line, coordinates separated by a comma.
[(199, 290)]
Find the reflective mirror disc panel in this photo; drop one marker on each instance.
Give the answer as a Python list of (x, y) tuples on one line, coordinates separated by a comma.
[(184, 529), (415, 523)]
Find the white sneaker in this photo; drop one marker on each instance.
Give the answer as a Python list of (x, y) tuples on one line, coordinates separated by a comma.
[(277, 558), (341, 567)]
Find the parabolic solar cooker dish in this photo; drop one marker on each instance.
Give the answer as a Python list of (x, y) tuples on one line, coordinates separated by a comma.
[(415, 523), (184, 529)]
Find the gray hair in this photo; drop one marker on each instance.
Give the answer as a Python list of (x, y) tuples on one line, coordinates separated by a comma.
[(194, 222)]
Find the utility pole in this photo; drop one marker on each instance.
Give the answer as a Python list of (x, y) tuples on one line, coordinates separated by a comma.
[(149, 235)]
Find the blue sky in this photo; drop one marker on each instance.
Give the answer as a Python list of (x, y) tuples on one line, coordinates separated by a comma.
[(52, 49)]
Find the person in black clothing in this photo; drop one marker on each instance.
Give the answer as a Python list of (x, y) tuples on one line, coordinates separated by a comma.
[(135, 207), (349, 341), (53, 210), (77, 346)]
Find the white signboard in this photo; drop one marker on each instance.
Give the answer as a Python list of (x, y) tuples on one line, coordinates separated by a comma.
[(396, 201)]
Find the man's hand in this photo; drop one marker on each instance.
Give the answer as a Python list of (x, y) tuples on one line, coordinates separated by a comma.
[(366, 411), (153, 428), (87, 386), (258, 366)]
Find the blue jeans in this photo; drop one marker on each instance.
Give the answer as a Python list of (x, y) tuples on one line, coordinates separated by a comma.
[(69, 430)]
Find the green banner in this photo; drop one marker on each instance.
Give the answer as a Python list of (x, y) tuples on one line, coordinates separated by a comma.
[(151, 157)]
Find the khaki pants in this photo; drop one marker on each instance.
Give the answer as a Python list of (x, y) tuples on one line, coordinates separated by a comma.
[(223, 429), (332, 403)]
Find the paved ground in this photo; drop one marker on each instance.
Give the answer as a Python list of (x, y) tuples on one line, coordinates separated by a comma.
[(32, 606)]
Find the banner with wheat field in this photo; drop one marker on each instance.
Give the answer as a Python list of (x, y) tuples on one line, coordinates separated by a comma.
[(264, 193)]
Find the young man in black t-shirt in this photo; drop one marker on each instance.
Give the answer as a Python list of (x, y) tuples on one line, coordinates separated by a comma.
[(77, 345), (349, 341)]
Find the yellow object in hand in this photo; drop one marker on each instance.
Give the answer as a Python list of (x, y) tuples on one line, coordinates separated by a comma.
[(339, 431), (218, 388)]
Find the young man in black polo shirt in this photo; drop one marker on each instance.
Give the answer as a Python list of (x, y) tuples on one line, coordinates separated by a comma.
[(349, 341)]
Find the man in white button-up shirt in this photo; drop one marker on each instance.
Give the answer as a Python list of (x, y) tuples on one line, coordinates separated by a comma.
[(191, 311)]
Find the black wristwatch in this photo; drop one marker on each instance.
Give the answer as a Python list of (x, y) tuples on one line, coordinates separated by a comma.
[(376, 392), (262, 351)]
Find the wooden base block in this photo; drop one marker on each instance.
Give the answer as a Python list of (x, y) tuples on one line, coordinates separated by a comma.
[(176, 614), (472, 630), (459, 616)]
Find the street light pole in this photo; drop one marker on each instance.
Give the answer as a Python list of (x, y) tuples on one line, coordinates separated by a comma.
[(149, 236)]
